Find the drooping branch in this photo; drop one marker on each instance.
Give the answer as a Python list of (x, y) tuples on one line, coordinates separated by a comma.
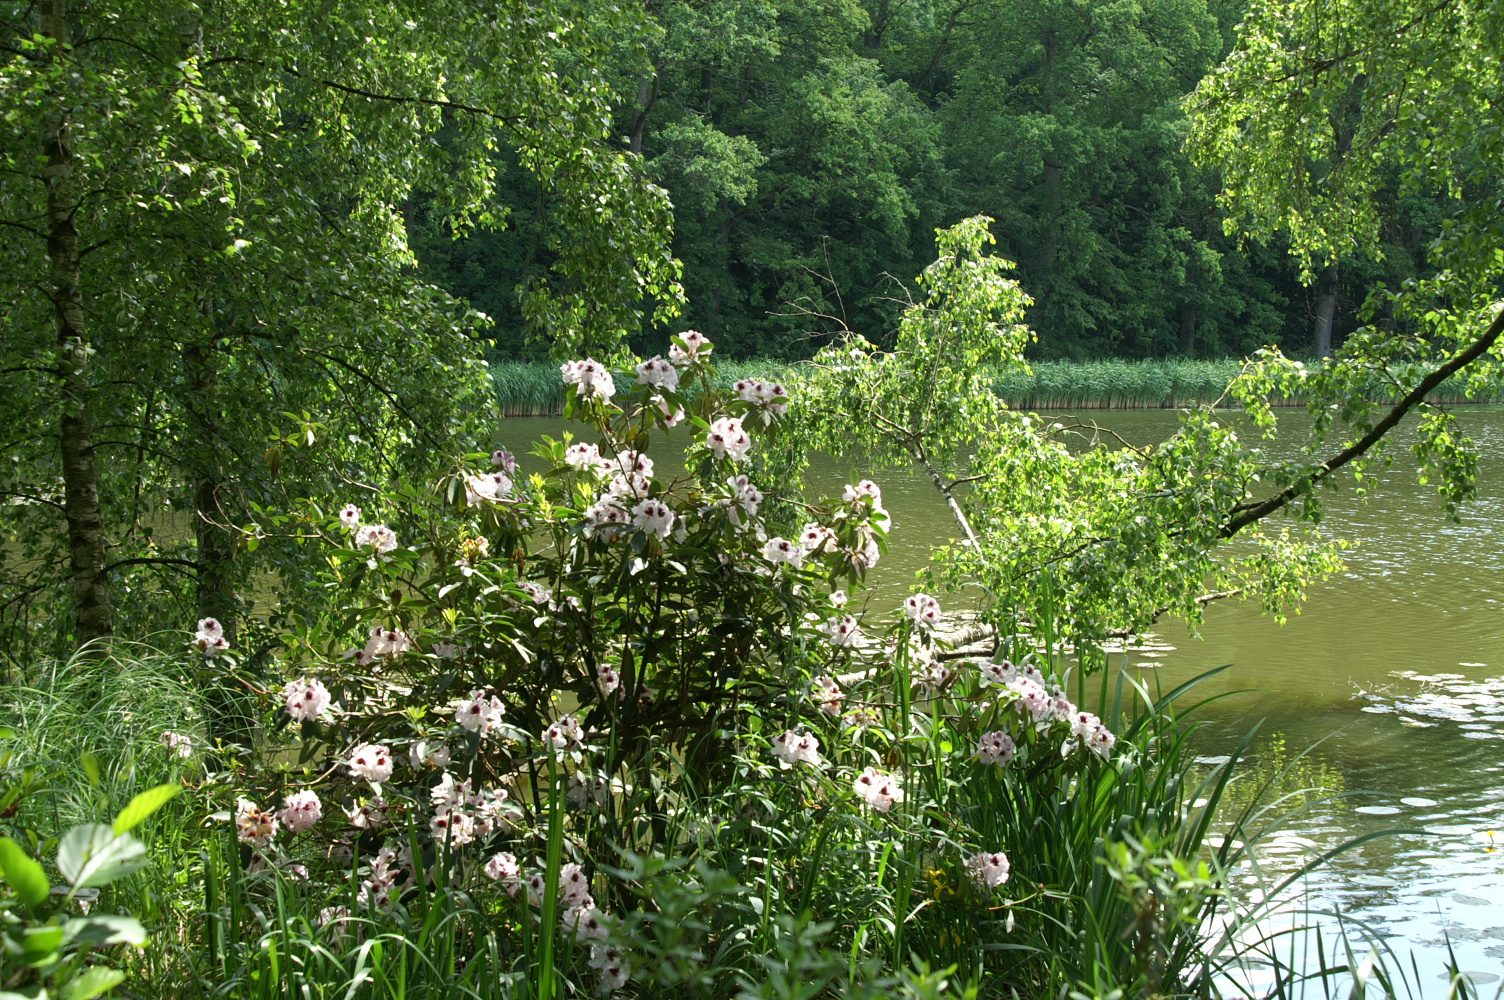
[(1247, 515)]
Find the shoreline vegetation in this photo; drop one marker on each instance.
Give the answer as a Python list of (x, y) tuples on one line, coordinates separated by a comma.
[(535, 389)]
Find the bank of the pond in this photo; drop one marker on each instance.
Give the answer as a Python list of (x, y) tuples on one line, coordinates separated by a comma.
[(534, 389)]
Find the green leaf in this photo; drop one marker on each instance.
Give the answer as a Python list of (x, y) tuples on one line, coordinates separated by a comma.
[(23, 873), (105, 928), (39, 945), (91, 767), (91, 854), (95, 980), (144, 805)]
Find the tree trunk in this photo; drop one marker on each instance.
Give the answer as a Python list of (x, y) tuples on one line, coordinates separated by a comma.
[(1326, 311), (230, 718), (1050, 246), (1187, 329), (93, 614)]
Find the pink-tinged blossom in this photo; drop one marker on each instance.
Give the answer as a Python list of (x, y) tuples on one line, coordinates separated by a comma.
[(380, 888), (210, 637), (503, 868), (727, 439), (425, 753), (993, 673), (988, 870), (606, 518), (177, 743), (658, 373), (923, 610), (995, 748), (769, 395), (377, 537), (841, 632), (838, 599), (349, 516), (480, 714), (448, 650), (574, 888), (880, 791), (1100, 741), (793, 748), (305, 700), (862, 718), (564, 733), (386, 642), (781, 550), (453, 826), (301, 811), (587, 922), (863, 492), (504, 460), (254, 825), (611, 963), (609, 679), (654, 518), (696, 346), (933, 678), (448, 793), (589, 378), (371, 761), (1031, 695), (828, 694), (745, 498), (589, 789), (493, 487)]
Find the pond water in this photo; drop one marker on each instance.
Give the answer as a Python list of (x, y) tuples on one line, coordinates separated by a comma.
[(1396, 666)]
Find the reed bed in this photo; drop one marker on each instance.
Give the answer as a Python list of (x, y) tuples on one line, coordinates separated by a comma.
[(534, 389)]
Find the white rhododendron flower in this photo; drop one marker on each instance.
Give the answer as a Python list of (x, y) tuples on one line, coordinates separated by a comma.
[(492, 487), (377, 537), (654, 518), (995, 748), (254, 825), (589, 378), (452, 826), (781, 550), (605, 518), (503, 868), (838, 599), (996, 673), (583, 456), (815, 537), (933, 677), (589, 789), (1031, 695), (448, 650), (658, 373), (770, 395), (612, 965), (696, 346), (428, 754), (727, 439), (862, 492), (210, 637), (745, 498), (536, 592), (177, 743), (371, 761), (842, 631), (988, 870), (349, 516), (301, 811), (369, 815), (480, 714), (923, 610), (380, 888), (385, 642), (828, 694), (878, 790), (305, 699), (563, 733), (504, 460), (791, 748)]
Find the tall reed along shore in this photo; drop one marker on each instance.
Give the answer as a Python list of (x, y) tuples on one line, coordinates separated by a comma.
[(535, 389)]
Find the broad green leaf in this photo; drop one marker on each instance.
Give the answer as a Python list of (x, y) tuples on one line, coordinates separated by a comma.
[(105, 928), (39, 945), (95, 980), (35, 993), (144, 805), (23, 873), (92, 854)]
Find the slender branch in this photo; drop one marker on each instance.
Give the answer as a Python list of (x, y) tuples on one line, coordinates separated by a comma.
[(163, 561), (1360, 447)]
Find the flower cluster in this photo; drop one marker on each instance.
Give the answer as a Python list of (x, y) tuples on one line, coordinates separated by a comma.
[(376, 537), (988, 870), (792, 748), (1044, 707), (492, 487), (923, 610), (372, 762), (480, 714), (590, 379), (461, 815), (767, 395), (878, 790), (305, 700), (301, 811), (383, 642), (177, 744), (254, 825)]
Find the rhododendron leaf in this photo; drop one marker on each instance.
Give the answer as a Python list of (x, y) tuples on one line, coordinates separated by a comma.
[(106, 928), (144, 805), (91, 854), (95, 980), (22, 873)]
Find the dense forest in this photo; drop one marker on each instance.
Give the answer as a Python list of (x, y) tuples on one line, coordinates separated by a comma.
[(811, 148)]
